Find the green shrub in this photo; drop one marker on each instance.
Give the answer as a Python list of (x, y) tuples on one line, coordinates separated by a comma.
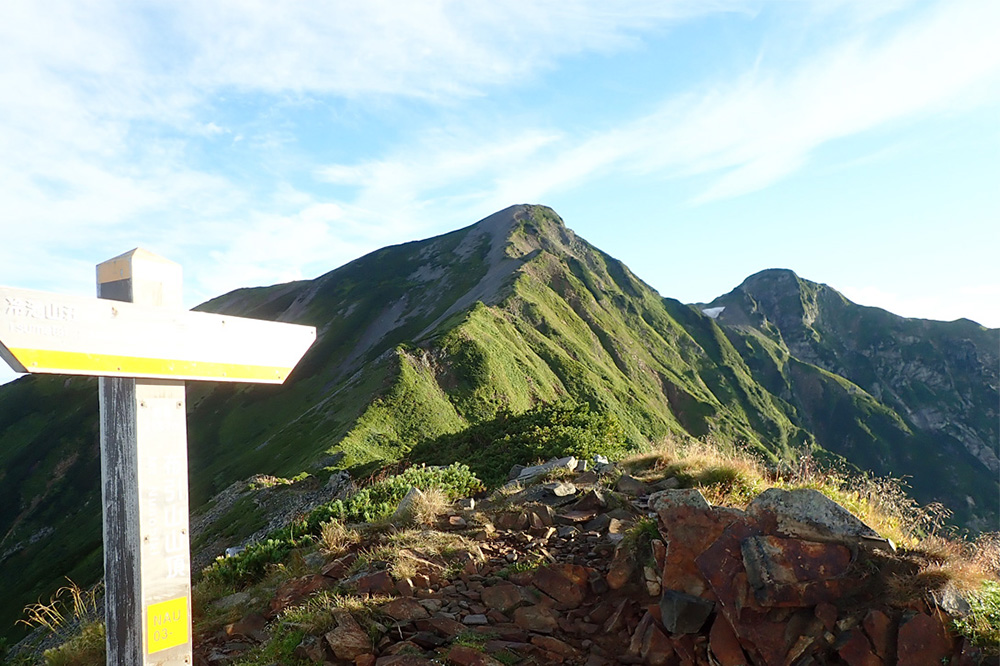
[(85, 649), (379, 500), (248, 566), (373, 502), (491, 448), (982, 626)]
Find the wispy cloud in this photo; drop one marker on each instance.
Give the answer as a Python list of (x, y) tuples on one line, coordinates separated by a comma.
[(749, 132), (108, 106)]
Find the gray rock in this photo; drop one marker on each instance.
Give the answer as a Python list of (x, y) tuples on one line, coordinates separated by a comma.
[(684, 613), (668, 499), (405, 510), (630, 485), (530, 473), (466, 504), (476, 619), (667, 484), (560, 489), (805, 513), (233, 600)]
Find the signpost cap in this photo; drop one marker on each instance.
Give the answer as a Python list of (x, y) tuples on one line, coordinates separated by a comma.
[(138, 262)]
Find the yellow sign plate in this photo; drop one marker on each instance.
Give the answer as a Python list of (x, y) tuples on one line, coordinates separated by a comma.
[(166, 624)]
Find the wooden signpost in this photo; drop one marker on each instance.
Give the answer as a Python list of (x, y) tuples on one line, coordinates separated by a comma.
[(143, 345)]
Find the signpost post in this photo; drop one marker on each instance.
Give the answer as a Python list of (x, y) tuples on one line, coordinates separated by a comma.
[(141, 343)]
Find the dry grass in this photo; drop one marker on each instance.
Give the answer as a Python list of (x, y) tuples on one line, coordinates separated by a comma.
[(336, 538), (724, 474), (408, 552), (314, 615), (730, 476), (429, 506), (69, 604)]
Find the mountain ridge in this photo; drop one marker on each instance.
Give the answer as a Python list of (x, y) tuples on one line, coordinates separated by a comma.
[(426, 338)]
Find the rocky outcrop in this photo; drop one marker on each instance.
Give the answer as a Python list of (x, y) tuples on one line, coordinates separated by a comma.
[(582, 579)]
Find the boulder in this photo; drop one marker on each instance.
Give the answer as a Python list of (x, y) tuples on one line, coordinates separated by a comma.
[(566, 583), (805, 513), (691, 525), (348, 640)]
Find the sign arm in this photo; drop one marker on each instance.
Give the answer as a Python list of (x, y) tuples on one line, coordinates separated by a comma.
[(11, 360)]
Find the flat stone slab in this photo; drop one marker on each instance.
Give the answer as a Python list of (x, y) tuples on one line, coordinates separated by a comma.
[(805, 513)]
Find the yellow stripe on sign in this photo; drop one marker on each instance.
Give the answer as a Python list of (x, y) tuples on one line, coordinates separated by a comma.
[(64, 362)]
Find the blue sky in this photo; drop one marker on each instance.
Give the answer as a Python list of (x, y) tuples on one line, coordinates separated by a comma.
[(699, 141)]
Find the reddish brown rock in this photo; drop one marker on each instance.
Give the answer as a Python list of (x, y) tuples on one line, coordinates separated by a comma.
[(403, 660), (622, 568), (691, 526), (796, 573), (311, 649), (635, 646), (566, 583), (771, 559), (724, 644), (557, 646), (761, 635), (592, 501), (575, 516), (364, 660), (251, 625), (923, 639), (467, 656), (657, 649), (541, 515), (338, 567), (882, 633), (404, 647), (856, 650), (536, 618), (405, 609), (827, 614), (442, 626), (619, 618), (659, 553), (379, 582), (512, 520), (348, 641), (294, 591), (503, 597)]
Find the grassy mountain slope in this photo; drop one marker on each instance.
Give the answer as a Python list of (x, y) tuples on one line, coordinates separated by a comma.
[(424, 339)]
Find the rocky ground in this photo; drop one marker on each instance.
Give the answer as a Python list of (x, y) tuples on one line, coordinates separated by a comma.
[(575, 572)]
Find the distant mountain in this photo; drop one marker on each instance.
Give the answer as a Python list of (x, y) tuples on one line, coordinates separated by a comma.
[(426, 338), (920, 398)]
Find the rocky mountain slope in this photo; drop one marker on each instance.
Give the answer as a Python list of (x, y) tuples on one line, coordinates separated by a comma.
[(424, 339)]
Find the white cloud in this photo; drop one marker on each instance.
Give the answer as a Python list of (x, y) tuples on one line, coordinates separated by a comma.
[(744, 134), (106, 104)]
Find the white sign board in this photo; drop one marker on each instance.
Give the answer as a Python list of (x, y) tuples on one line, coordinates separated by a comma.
[(67, 335)]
